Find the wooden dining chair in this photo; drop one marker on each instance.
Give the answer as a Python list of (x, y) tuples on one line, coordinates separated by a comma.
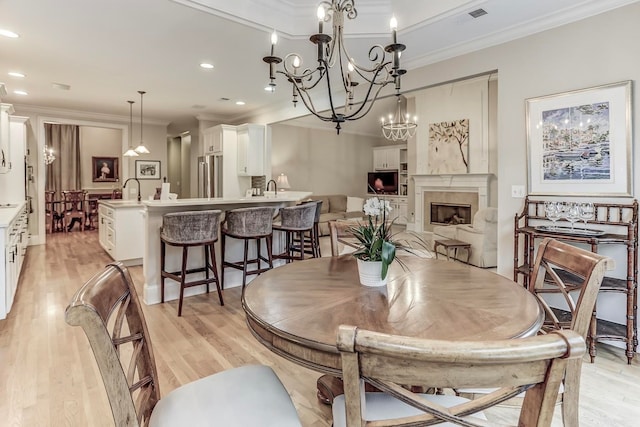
[(341, 237), (574, 275), (535, 365), (74, 201), (109, 311)]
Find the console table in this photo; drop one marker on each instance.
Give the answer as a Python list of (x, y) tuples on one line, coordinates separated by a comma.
[(619, 226)]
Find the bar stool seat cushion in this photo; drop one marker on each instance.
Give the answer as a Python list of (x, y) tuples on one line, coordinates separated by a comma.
[(193, 227), (297, 218), (249, 222)]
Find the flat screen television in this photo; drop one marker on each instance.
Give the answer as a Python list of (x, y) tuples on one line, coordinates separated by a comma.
[(382, 182)]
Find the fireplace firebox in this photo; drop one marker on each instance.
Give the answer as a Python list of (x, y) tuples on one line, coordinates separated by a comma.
[(450, 213)]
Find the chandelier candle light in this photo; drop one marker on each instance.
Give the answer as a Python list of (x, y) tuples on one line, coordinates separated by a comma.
[(338, 69), (399, 127)]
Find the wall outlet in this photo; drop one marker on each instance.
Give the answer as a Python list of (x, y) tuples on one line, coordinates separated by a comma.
[(517, 191)]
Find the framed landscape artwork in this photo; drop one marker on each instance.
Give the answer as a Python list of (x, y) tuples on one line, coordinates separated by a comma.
[(579, 142), (105, 169), (148, 169)]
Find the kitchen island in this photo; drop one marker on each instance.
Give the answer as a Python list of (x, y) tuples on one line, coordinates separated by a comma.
[(153, 212)]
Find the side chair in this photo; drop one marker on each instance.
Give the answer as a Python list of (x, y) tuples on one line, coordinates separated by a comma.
[(575, 275), (535, 365), (109, 311)]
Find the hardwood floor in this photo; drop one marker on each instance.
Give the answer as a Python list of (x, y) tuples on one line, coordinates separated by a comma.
[(49, 378)]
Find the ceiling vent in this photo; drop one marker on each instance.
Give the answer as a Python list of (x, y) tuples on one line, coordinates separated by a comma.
[(60, 86), (478, 13)]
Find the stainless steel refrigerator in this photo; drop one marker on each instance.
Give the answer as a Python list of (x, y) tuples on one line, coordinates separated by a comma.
[(210, 176)]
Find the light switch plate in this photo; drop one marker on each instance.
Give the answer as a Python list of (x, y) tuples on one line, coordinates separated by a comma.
[(517, 191)]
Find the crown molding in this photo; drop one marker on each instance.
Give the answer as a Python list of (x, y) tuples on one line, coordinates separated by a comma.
[(50, 111)]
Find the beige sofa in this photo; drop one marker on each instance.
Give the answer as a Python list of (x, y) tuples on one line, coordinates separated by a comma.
[(337, 206)]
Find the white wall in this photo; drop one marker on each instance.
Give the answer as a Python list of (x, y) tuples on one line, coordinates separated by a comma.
[(99, 142), (321, 161)]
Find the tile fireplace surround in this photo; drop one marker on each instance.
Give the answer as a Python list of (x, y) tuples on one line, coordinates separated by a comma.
[(475, 183)]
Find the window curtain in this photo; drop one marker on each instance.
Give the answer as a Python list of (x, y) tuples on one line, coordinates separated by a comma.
[(65, 171)]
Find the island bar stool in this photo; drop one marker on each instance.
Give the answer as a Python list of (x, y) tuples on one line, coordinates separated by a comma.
[(295, 222), (312, 240), (248, 224), (185, 230)]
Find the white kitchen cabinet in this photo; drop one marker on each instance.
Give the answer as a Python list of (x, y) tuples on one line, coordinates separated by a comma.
[(213, 139), (250, 150), (5, 146), (121, 230), (13, 182), (14, 238)]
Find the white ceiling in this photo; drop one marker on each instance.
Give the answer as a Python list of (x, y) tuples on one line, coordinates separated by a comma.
[(108, 50)]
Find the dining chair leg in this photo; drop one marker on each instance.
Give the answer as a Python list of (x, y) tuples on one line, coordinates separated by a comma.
[(571, 395)]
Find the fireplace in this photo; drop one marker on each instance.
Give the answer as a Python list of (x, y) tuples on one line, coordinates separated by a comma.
[(463, 189), (450, 213)]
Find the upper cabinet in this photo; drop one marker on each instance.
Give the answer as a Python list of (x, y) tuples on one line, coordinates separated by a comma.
[(250, 150), (385, 158), (5, 159), (213, 140)]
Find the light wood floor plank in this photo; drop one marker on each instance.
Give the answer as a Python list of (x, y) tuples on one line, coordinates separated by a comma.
[(48, 376)]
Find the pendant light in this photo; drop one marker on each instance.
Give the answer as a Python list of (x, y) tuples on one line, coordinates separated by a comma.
[(141, 149), (130, 152)]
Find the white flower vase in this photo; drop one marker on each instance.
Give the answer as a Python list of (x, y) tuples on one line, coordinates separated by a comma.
[(370, 272)]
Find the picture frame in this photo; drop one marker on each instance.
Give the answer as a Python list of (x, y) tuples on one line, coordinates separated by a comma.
[(148, 169), (105, 169), (579, 142)]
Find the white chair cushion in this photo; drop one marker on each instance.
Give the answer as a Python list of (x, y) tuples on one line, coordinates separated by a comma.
[(381, 406), (246, 396)]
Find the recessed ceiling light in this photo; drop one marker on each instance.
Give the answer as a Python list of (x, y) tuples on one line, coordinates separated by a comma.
[(8, 33), (206, 65), (240, 102), (16, 74), (20, 92)]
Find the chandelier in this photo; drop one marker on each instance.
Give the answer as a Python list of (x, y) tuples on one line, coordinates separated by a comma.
[(359, 84), (48, 155), (399, 127)]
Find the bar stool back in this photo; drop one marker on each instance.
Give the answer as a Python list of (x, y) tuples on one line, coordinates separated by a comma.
[(248, 224), (295, 222), (185, 230)]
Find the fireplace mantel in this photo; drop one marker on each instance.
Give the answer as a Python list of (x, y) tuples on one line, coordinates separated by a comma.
[(470, 182)]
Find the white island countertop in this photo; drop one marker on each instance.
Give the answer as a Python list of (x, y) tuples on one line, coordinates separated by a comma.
[(280, 197), (8, 211)]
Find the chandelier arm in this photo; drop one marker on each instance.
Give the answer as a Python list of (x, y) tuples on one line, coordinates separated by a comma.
[(354, 115)]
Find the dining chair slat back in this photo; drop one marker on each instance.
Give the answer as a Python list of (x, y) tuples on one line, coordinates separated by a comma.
[(576, 274), (109, 311), (534, 364), (341, 237)]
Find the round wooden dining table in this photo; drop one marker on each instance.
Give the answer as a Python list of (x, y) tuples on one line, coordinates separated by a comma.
[(295, 309)]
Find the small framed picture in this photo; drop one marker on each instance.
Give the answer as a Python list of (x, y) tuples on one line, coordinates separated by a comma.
[(105, 169), (148, 169)]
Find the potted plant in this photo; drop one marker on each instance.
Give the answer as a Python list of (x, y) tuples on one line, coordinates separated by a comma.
[(377, 243)]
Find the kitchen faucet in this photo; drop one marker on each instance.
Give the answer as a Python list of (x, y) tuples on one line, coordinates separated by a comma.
[(136, 180), (275, 185)]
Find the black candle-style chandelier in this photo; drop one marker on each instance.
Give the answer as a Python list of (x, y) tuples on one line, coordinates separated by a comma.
[(347, 76)]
